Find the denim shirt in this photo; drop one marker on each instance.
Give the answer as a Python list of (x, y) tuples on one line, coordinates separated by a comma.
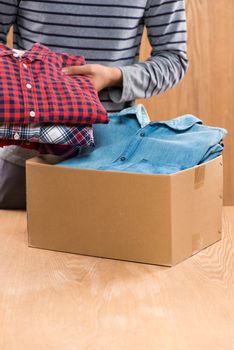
[(131, 143)]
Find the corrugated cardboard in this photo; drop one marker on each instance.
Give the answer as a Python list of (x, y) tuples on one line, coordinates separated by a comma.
[(157, 219)]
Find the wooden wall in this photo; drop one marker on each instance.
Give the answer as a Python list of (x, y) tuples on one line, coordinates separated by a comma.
[(207, 89)]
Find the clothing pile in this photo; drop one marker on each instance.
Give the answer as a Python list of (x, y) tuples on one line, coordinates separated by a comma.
[(43, 109), (131, 143)]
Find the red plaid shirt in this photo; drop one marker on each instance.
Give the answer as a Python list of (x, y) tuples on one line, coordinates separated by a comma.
[(33, 89)]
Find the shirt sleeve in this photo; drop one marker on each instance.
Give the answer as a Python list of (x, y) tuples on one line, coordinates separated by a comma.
[(8, 12), (165, 21)]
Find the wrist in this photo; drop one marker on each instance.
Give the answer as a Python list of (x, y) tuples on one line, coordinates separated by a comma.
[(116, 76)]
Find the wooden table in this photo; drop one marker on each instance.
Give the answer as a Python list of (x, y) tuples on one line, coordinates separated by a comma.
[(52, 301)]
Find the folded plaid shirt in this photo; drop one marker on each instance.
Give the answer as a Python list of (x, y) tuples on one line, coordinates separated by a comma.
[(33, 89), (66, 151), (60, 134)]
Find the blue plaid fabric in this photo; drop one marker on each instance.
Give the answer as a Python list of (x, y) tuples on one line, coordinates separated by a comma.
[(59, 134)]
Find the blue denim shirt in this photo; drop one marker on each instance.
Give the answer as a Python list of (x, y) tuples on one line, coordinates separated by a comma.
[(131, 143)]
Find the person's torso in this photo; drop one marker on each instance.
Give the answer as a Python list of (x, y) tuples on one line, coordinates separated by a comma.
[(105, 32)]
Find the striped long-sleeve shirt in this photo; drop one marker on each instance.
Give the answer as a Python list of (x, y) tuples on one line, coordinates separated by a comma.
[(107, 32)]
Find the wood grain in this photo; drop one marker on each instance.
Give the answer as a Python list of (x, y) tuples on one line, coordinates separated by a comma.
[(51, 300), (10, 38)]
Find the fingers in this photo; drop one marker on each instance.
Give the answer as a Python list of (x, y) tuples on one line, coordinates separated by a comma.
[(86, 69)]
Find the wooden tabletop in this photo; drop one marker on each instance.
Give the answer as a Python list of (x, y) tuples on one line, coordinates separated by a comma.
[(58, 301)]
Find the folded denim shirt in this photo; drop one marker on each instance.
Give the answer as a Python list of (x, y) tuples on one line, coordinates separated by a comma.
[(131, 144)]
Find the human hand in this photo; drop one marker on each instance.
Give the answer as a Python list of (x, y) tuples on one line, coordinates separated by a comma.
[(101, 76)]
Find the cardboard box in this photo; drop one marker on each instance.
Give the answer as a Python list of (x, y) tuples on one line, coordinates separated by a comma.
[(156, 219)]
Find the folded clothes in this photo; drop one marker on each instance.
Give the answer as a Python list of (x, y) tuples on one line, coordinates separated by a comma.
[(129, 144), (44, 148), (61, 134), (33, 89)]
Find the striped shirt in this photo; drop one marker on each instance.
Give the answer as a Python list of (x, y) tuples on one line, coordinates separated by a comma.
[(107, 32)]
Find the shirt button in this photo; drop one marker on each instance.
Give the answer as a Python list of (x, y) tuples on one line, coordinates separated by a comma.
[(25, 65), (32, 114), (142, 134), (28, 86), (122, 158), (16, 136)]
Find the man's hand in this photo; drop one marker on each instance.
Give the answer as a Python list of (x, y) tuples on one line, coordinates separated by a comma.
[(101, 76)]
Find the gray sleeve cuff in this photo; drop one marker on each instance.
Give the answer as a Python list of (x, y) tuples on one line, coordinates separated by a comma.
[(121, 94)]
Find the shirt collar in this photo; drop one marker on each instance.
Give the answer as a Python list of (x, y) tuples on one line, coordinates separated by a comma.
[(36, 52), (138, 111)]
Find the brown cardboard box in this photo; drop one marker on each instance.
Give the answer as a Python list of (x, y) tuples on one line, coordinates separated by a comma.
[(157, 219)]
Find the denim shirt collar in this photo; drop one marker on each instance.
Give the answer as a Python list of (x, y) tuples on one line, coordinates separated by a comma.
[(181, 123), (138, 110)]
